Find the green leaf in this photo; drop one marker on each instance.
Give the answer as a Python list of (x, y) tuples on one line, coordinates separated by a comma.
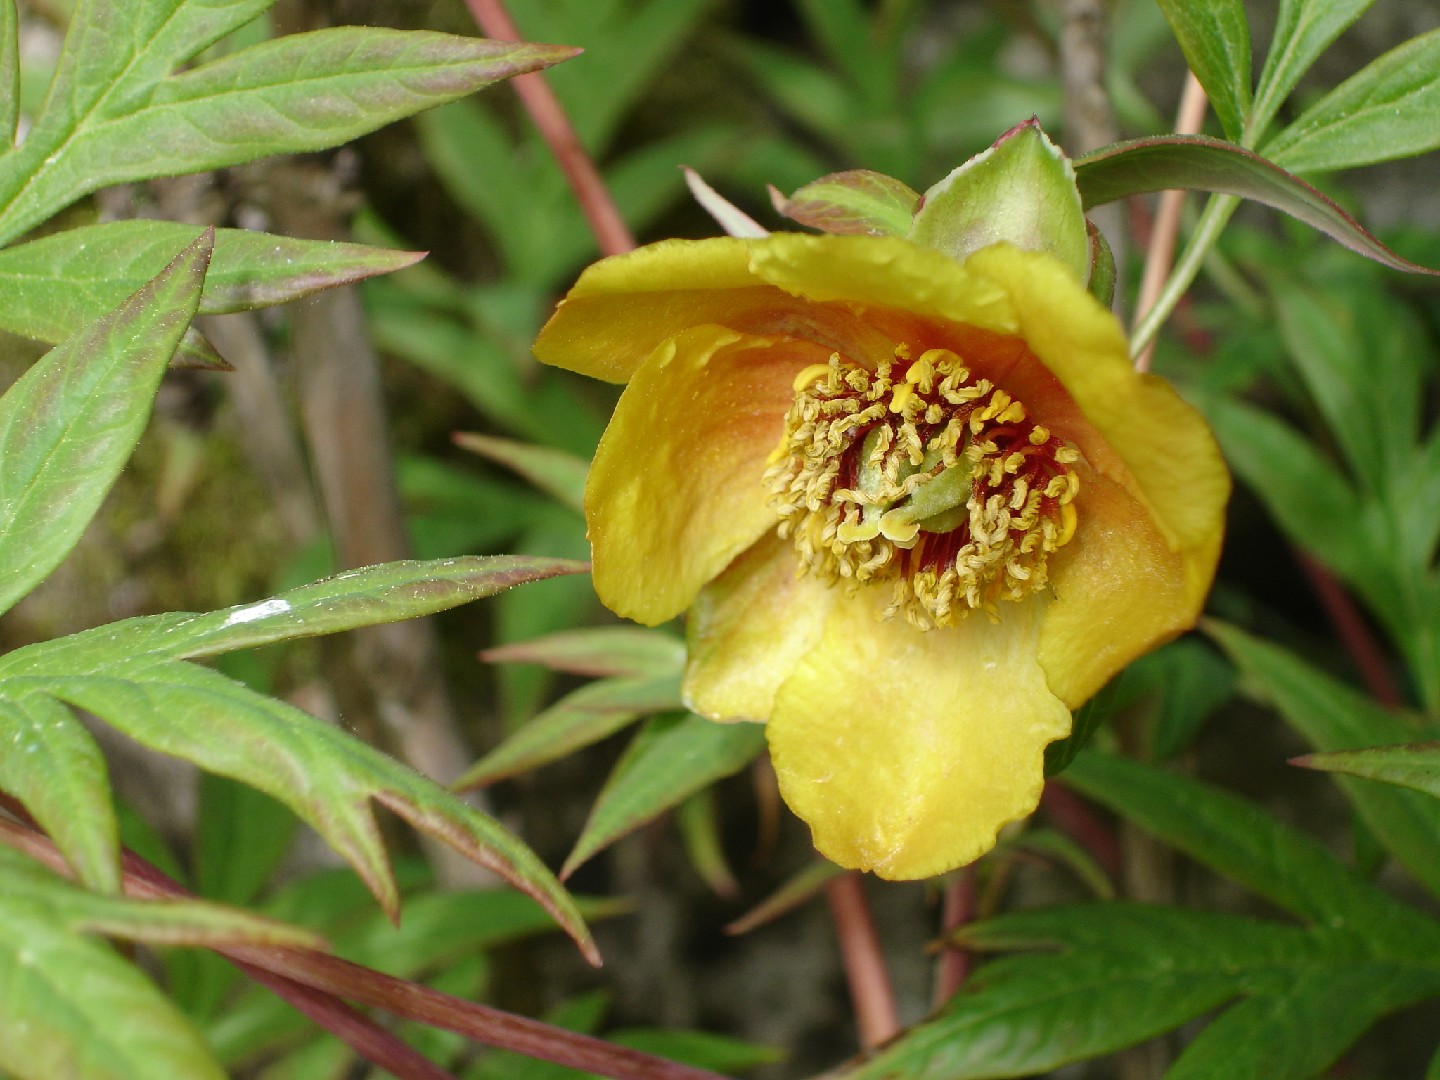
[(627, 46), (1127, 972), (701, 831), (597, 651), (9, 74), (1241, 841), (72, 1008), (582, 717), (855, 201), (324, 775), (1083, 725), (1363, 360), (69, 423), (1414, 765), (843, 30), (294, 94), (795, 893), (1385, 111), (1191, 682), (155, 922), (670, 760), (51, 287), (1307, 495), (240, 838), (1196, 163), (373, 594), (698, 1048), (1021, 190), (1303, 30), (1333, 716), (52, 765), (1215, 37), (554, 472)]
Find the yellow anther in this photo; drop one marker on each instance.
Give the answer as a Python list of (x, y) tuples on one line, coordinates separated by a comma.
[(809, 375), (903, 393), (1039, 436), (1013, 414), (1068, 520)]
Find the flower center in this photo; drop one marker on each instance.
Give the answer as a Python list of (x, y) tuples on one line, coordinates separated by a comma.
[(913, 473)]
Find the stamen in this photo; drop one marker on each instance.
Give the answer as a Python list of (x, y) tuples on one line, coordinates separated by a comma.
[(936, 484)]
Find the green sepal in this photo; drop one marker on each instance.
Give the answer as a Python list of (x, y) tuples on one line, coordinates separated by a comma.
[(1021, 191)]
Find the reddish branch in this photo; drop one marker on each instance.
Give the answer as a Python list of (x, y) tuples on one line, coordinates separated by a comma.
[(957, 909), (545, 109), (870, 991), (1354, 632), (319, 985)]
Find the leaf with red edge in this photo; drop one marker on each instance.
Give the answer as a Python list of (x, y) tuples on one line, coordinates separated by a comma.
[(855, 201), (1412, 765), (51, 287), (606, 650), (1197, 163), (586, 716), (554, 472)]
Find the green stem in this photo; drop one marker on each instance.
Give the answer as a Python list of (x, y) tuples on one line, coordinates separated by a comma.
[(1207, 231)]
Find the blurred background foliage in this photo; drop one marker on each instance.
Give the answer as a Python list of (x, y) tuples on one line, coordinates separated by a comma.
[(1317, 369)]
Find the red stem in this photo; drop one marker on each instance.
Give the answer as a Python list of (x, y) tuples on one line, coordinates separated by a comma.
[(315, 983), (958, 908), (610, 230), (1075, 817), (1354, 632), (870, 992)]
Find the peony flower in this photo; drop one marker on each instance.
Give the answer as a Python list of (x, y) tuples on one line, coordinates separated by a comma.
[(918, 510)]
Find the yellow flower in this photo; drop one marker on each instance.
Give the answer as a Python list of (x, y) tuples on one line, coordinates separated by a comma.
[(918, 510)]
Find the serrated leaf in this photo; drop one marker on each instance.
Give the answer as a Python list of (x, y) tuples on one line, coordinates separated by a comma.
[(69, 423), (324, 775), (670, 760), (554, 472), (51, 287), (246, 105), (1126, 972), (1412, 765), (579, 719), (1238, 839), (62, 994), (1215, 37), (1332, 716), (1385, 111), (855, 201), (597, 651), (1197, 163), (1303, 30)]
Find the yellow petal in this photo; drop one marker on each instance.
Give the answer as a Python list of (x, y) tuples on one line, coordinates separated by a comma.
[(1165, 445), (1118, 589), (748, 629), (675, 490), (882, 271), (622, 308), (907, 751)]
